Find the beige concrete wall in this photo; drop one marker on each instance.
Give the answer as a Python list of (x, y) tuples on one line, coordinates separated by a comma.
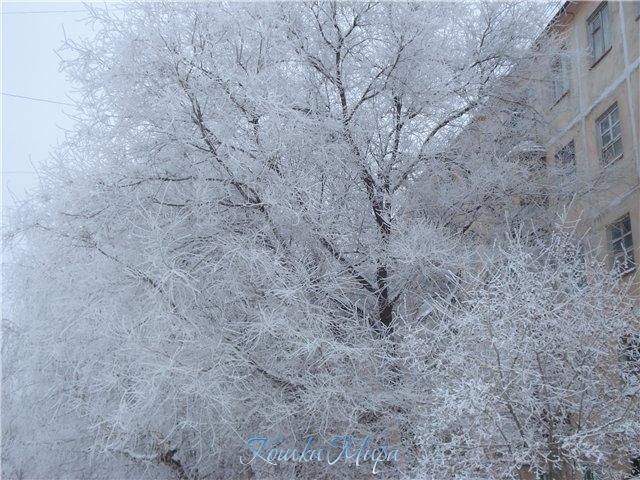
[(635, 95), (632, 30)]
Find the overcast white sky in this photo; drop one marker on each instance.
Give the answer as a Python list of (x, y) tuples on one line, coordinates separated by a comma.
[(31, 34)]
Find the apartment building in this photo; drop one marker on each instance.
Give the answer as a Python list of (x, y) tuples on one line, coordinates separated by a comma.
[(594, 106)]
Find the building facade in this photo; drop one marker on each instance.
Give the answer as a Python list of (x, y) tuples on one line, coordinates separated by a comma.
[(594, 106)]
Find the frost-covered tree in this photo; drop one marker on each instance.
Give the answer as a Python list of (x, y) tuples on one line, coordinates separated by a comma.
[(246, 227), (538, 369)]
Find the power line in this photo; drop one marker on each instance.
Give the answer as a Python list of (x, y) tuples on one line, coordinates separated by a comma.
[(38, 99), (42, 11), (110, 7)]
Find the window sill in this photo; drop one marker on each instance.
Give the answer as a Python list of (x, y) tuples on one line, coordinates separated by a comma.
[(557, 100), (597, 60), (611, 162)]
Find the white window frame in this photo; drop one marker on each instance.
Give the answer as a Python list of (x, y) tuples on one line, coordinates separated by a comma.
[(599, 28), (608, 129), (621, 244)]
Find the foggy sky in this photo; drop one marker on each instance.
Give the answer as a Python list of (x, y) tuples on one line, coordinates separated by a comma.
[(30, 67)]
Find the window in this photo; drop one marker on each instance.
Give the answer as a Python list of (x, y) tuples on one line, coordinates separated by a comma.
[(541, 475), (591, 472), (622, 244), (637, 13), (560, 74), (610, 135), (566, 159), (598, 31)]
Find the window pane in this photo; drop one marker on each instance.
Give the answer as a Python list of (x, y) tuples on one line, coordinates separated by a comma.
[(559, 75), (618, 229), (598, 44), (558, 89), (605, 26), (617, 147), (622, 244), (615, 130), (610, 130), (615, 232), (615, 116), (616, 247)]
